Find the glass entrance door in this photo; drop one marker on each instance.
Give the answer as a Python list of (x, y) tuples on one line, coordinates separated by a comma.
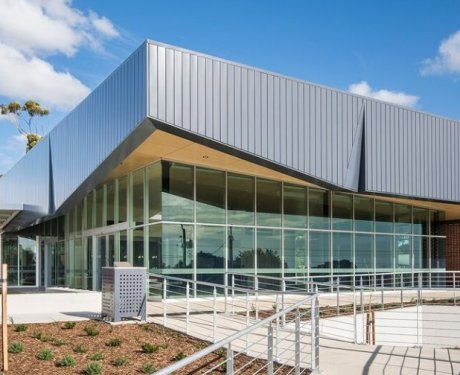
[(56, 256), (105, 255)]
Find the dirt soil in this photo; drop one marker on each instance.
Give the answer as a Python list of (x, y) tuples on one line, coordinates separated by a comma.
[(63, 342)]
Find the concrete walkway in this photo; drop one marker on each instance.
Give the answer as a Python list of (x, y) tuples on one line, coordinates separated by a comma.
[(336, 357)]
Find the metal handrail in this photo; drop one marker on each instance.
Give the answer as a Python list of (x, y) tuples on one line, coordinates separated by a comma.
[(227, 340)]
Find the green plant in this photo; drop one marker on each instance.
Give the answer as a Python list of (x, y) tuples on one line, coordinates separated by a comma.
[(96, 356), (66, 361), (221, 352), (94, 368), (119, 361), (80, 348), (92, 331), (21, 328), (45, 355), (37, 335), (16, 347), (113, 342), (46, 338), (148, 368), (179, 356), (69, 325), (150, 348), (58, 342)]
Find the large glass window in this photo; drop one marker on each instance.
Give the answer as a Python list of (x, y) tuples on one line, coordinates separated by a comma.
[(89, 210), (403, 218), (320, 260), (421, 253), (384, 253), (210, 248), (177, 197), (210, 196), (269, 249), (110, 204), (295, 250), (154, 186), (122, 199), (138, 247), (403, 252), (364, 214), (240, 200), (342, 252), (268, 203), (421, 221), (318, 205), (241, 248), (295, 206), (137, 198), (342, 211), (177, 246), (438, 253), (383, 217), (364, 253), (100, 207), (156, 262)]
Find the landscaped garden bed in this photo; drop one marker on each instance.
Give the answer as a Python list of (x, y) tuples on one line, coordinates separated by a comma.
[(92, 347)]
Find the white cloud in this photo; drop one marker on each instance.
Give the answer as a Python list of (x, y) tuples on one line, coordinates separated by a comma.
[(400, 98), (32, 29), (448, 59)]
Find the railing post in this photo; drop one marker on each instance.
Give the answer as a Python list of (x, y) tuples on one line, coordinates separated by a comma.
[(455, 297), (247, 320), (418, 312), (355, 333), (214, 314), (382, 281), (314, 320), (187, 295), (297, 342), (361, 299), (229, 360), (401, 280), (165, 288), (270, 350), (338, 296), (283, 290), (402, 298), (277, 310), (382, 300)]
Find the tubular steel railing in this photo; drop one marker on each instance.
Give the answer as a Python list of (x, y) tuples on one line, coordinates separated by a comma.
[(280, 329)]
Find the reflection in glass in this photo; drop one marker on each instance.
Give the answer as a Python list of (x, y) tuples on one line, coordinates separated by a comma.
[(364, 253), (384, 253), (295, 206), (137, 198), (342, 211), (318, 203), (210, 248), (383, 217), (99, 207), (421, 253), (241, 248), (421, 220), (155, 258), (10, 257), (320, 260), (177, 197), (89, 210), (138, 247), (154, 194), (177, 246), (403, 218), (123, 246), (122, 199), (240, 199), (110, 204), (268, 249), (364, 214), (438, 253), (295, 250), (342, 252), (403, 252), (268, 203), (210, 196)]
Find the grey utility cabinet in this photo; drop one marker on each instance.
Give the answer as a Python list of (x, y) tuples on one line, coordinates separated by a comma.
[(124, 293)]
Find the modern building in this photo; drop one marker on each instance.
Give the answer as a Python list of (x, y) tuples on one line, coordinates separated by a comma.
[(195, 166)]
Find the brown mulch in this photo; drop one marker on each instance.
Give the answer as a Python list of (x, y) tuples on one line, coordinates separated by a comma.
[(132, 336)]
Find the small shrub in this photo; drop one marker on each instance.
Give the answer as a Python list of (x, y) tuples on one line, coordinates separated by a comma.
[(58, 342), (46, 338), (92, 331), (148, 368), (80, 348), (113, 342), (119, 361), (16, 347), (94, 368), (96, 356), (37, 335), (179, 356), (69, 325), (150, 348), (21, 328), (67, 361), (45, 355), (221, 352)]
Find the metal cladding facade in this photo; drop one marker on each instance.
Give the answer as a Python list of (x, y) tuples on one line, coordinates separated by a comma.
[(337, 139)]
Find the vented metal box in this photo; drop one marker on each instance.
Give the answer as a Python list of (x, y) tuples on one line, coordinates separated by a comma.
[(124, 293)]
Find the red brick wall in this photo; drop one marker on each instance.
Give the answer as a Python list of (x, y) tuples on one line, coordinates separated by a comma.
[(452, 231)]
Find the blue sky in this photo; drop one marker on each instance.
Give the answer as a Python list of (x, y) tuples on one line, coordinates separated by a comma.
[(402, 51)]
